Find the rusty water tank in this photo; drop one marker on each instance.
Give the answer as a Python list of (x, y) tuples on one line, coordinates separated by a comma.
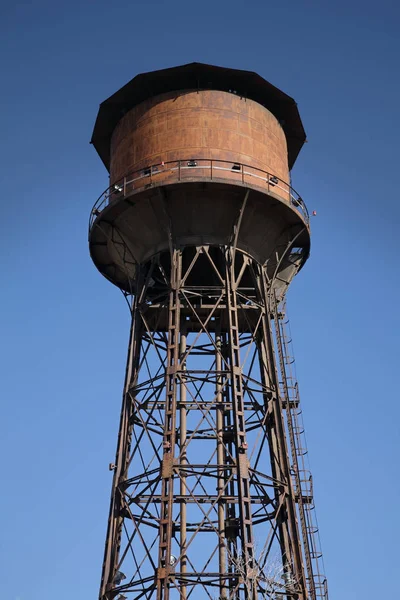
[(186, 148)]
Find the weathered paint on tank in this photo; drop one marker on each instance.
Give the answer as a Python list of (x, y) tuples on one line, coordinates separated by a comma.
[(206, 124)]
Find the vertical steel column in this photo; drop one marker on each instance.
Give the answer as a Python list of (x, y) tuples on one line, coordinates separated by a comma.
[(221, 464), (183, 463), (292, 443), (115, 519), (169, 439), (287, 521), (242, 462)]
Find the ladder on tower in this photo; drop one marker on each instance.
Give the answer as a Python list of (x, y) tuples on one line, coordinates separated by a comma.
[(301, 474)]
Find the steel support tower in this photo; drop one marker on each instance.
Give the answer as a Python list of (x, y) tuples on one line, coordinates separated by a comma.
[(202, 231)]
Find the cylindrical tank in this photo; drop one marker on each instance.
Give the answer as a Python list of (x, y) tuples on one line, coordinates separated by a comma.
[(206, 124), (186, 162)]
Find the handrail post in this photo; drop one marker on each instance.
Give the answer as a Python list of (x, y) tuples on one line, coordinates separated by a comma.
[(242, 168), (179, 170), (211, 166)]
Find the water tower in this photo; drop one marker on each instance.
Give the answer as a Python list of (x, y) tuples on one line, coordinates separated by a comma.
[(202, 231)]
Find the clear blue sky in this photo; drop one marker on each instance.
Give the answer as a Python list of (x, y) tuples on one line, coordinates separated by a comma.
[(64, 328)]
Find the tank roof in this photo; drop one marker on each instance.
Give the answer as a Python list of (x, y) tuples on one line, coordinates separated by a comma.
[(199, 76)]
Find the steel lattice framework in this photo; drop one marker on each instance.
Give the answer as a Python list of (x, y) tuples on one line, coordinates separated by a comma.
[(202, 231), (210, 495)]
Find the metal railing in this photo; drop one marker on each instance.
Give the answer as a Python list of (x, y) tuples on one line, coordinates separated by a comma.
[(190, 169)]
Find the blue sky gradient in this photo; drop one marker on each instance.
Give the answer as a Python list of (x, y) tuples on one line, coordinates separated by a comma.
[(65, 328)]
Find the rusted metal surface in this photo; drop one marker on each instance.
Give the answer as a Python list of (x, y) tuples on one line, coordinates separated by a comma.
[(198, 77), (201, 124)]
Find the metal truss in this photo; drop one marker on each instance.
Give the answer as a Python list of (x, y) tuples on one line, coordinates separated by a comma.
[(207, 497)]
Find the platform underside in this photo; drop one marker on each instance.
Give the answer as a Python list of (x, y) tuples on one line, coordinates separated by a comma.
[(135, 228)]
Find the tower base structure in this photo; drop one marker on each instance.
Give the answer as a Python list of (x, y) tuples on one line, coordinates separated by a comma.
[(210, 496)]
